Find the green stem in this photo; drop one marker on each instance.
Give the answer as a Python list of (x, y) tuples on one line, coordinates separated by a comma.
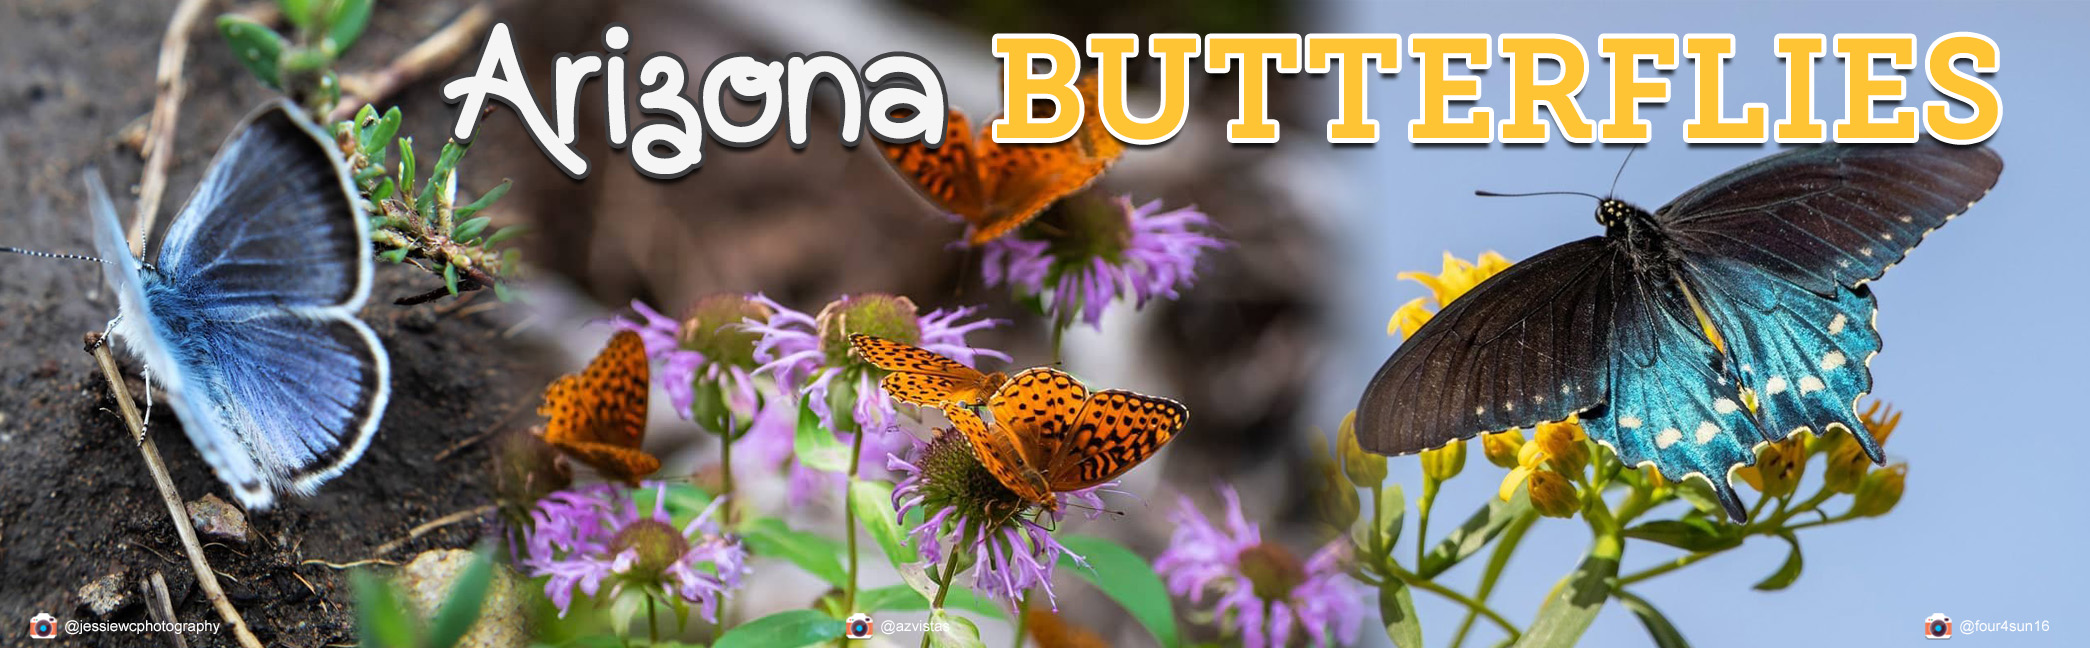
[(1022, 605), (856, 453), (652, 626), (1638, 500), (1422, 518), (1059, 334), (1664, 568), (1380, 548), (1821, 522), (1428, 585), (1507, 545), (943, 587), (725, 468)]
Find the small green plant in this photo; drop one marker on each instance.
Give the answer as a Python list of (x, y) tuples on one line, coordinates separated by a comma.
[(412, 219), (386, 619)]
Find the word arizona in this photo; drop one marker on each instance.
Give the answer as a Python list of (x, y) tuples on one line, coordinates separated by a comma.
[(1441, 60), (671, 144)]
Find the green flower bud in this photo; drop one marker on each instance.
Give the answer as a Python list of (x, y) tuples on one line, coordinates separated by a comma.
[(1880, 491), (1363, 468), (1553, 495), (875, 314), (714, 328), (1444, 463)]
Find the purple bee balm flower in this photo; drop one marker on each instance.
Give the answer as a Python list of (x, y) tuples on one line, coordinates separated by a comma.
[(965, 509), (695, 351), (1136, 252), (1254, 578), (584, 537), (809, 356)]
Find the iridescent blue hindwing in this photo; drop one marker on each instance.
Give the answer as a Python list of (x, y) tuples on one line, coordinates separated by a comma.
[(1803, 355)]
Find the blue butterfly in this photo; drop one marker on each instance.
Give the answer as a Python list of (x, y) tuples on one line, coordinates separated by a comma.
[(248, 317), (1659, 333)]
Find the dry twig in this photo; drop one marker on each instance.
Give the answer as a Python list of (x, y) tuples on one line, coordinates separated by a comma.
[(437, 52), (159, 140), (432, 525), (205, 576)]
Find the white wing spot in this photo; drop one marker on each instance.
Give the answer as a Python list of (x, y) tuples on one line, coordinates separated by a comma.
[(1775, 387), (1832, 361), (1811, 384), (1564, 390), (1668, 438), (1747, 369), (1706, 432), (1843, 263), (1911, 219), (1865, 251), (1509, 406), (1725, 406), (1479, 410), (1629, 422), (1538, 400), (1836, 325)]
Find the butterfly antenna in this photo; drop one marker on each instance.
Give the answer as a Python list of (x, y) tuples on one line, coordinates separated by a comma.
[(54, 255), (1494, 194), (1621, 170)]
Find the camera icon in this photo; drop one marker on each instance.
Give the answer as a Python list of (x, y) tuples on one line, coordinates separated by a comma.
[(1937, 626), (43, 626), (857, 626)]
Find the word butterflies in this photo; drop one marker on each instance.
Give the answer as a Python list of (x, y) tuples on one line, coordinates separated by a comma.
[(248, 316), (1736, 315), (922, 378), (998, 187), (1050, 435), (599, 415)]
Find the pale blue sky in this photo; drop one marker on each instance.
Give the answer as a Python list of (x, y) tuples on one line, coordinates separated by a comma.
[(1983, 324)]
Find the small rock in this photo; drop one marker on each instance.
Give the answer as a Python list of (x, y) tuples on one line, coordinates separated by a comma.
[(217, 520), (502, 623), (106, 595)]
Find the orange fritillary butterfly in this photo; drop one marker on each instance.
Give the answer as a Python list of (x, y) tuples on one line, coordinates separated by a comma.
[(1050, 434), (598, 416), (997, 187), (921, 377)]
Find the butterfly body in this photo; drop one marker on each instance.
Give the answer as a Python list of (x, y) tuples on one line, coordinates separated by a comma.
[(996, 188), (1685, 337), (598, 416), (248, 318)]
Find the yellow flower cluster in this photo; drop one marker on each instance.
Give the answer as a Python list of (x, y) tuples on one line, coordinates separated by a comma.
[(1458, 277), (1550, 463)]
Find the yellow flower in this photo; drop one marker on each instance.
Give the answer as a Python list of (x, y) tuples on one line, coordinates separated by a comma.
[(1880, 491), (1847, 462), (1501, 447), (1553, 495), (1558, 451), (1363, 468), (1457, 277), (1778, 467)]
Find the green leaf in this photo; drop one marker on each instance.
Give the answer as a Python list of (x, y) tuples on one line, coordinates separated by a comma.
[(787, 629), (382, 616), (407, 173), (450, 277), (1474, 534), (958, 631), (1699, 493), (1658, 627), (1788, 572), (813, 553), (256, 46), (1397, 612), (346, 24), (1689, 534), (841, 400), (381, 134), (504, 234), (461, 608), (384, 189), (816, 447), (502, 292), (891, 598), (1128, 579), (395, 255), (485, 200), (873, 501), (470, 229), (1574, 602)]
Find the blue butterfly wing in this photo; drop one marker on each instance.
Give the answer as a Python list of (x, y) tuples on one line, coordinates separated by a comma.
[(250, 321), (1670, 402), (275, 223), (1827, 217), (1804, 356), (1524, 347)]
